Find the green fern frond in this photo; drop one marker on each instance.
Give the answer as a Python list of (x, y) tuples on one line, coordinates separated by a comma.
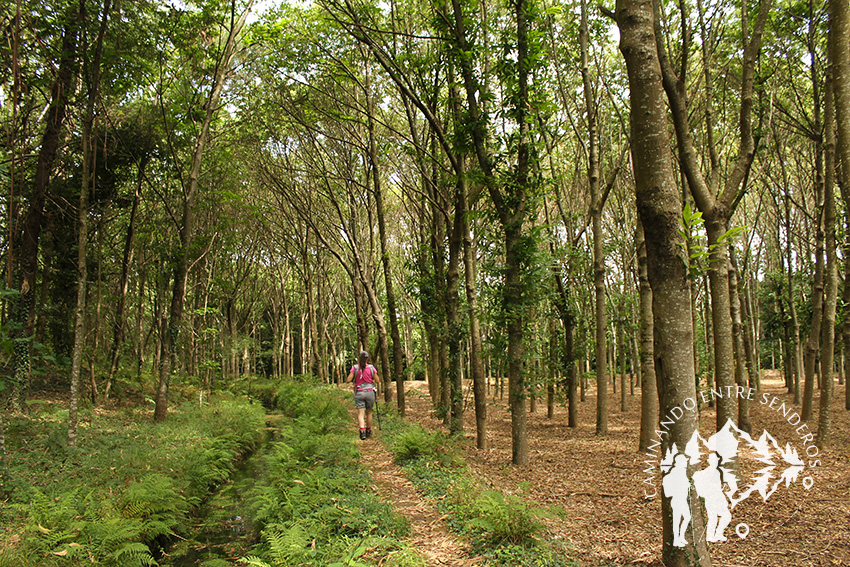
[(132, 554)]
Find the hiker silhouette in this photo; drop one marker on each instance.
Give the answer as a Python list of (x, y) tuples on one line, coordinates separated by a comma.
[(676, 487), (708, 484)]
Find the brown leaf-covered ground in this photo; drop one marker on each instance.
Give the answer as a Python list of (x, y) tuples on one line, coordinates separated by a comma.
[(599, 481)]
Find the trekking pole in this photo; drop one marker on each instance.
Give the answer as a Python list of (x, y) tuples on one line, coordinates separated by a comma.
[(377, 413)]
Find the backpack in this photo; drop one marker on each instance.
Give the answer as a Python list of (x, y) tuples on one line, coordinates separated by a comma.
[(370, 380)]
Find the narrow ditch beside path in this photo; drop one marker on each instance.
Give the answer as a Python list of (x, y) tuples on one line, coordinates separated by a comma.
[(429, 534)]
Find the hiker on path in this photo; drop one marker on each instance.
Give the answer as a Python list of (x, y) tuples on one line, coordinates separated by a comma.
[(364, 377)]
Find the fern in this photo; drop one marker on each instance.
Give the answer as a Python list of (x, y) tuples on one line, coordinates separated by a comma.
[(289, 545), (507, 519), (133, 554), (156, 502)]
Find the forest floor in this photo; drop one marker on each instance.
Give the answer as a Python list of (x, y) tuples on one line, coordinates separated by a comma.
[(599, 481)]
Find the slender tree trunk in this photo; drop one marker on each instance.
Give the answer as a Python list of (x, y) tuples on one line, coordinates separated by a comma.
[(398, 368), (598, 253), (4, 464), (659, 206), (749, 339), (93, 79), (479, 385), (359, 310), (742, 377), (516, 381), (316, 366), (812, 348), (175, 318), (831, 291), (572, 378), (378, 319), (622, 369), (95, 330), (715, 202), (455, 330), (140, 341), (721, 319), (839, 52), (551, 366), (512, 205), (126, 261), (648, 384)]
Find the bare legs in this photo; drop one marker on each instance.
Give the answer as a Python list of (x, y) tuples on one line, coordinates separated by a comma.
[(364, 416)]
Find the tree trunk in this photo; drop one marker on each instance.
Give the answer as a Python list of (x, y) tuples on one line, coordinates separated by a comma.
[(742, 377), (27, 260), (840, 59), (455, 330), (572, 378), (831, 291), (794, 339), (648, 384), (316, 367), (398, 368), (622, 358), (479, 385), (812, 348), (715, 202), (93, 80), (516, 378), (169, 340), (598, 253), (750, 342), (126, 260), (659, 206)]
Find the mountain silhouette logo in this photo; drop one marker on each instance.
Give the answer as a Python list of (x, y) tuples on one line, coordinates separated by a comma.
[(718, 482)]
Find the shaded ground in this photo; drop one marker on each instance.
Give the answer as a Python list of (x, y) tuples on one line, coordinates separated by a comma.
[(599, 481)]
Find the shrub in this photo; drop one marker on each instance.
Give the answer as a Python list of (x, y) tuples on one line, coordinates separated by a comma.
[(506, 519), (415, 443)]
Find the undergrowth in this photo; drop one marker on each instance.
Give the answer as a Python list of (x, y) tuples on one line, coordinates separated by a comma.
[(125, 490), (315, 505), (505, 528)]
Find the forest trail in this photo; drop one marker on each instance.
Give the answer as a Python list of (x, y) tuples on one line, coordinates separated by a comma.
[(429, 534)]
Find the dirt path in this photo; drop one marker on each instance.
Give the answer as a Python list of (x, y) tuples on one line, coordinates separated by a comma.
[(429, 534)]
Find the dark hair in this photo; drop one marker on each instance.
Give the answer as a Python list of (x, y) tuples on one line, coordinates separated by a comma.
[(364, 358)]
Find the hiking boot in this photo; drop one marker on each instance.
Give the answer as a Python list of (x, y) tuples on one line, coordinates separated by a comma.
[(368, 432), (363, 434)]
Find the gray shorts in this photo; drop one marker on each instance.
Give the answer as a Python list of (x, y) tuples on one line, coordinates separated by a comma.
[(364, 399)]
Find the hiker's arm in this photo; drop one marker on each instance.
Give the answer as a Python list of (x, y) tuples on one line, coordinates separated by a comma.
[(350, 376)]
